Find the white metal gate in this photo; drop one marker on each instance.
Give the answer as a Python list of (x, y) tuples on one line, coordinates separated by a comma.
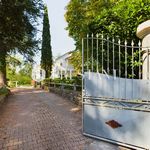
[(116, 94)]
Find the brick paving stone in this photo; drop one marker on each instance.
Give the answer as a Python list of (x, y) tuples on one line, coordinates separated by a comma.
[(38, 120)]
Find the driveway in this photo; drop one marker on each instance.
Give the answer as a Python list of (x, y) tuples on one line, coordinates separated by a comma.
[(38, 120)]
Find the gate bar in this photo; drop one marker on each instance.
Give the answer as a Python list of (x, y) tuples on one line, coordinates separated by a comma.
[(113, 40), (126, 59), (132, 44), (92, 53), (97, 45), (115, 142), (82, 82), (119, 58), (148, 64), (102, 53), (107, 54), (87, 42), (139, 44)]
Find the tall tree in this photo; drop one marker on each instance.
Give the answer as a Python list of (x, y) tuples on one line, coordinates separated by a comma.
[(113, 17), (77, 20), (46, 52), (76, 61), (80, 15), (18, 20)]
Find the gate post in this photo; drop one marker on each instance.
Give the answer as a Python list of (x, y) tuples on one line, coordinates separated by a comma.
[(143, 32)]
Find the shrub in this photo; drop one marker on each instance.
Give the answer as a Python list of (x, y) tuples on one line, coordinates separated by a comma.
[(4, 91), (75, 80), (22, 80)]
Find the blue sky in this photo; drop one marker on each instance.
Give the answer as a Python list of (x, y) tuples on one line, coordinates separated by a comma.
[(60, 41)]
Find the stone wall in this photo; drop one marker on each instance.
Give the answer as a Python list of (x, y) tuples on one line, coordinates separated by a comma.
[(73, 96), (2, 98)]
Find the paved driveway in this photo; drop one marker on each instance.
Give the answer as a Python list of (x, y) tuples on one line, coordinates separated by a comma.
[(38, 120)]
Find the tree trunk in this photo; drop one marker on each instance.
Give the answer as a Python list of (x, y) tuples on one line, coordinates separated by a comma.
[(2, 68), (46, 74)]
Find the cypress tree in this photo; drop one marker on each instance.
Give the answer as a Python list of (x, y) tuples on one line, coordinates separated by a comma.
[(46, 53)]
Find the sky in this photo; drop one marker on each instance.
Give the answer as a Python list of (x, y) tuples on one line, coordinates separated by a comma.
[(60, 41)]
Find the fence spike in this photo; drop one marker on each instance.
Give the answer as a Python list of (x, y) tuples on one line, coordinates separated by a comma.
[(107, 37), (125, 42), (87, 35), (97, 35), (139, 43), (92, 35), (132, 43), (113, 40), (102, 36), (119, 41)]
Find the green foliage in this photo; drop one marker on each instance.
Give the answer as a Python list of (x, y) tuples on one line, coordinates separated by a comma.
[(46, 81), (76, 18), (75, 80), (11, 64), (22, 80), (115, 18), (46, 52), (4, 91), (23, 76), (76, 61), (81, 14), (122, 19), (26, 70), (17, 29), (13, 61), (18, 21)]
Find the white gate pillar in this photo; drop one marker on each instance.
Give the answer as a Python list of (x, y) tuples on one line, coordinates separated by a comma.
[(143, 32)]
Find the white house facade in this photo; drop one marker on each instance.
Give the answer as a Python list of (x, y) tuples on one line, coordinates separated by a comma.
[(61, 67)]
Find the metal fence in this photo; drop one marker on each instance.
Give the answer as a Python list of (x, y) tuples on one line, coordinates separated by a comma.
[(122, 70), (70, 91), (111, 56), (64, 86), (116, 91)]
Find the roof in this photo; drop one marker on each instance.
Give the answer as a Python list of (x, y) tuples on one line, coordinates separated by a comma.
[(63, 55)]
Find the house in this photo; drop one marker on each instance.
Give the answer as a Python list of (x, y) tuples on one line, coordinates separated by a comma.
[(61, 66)]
